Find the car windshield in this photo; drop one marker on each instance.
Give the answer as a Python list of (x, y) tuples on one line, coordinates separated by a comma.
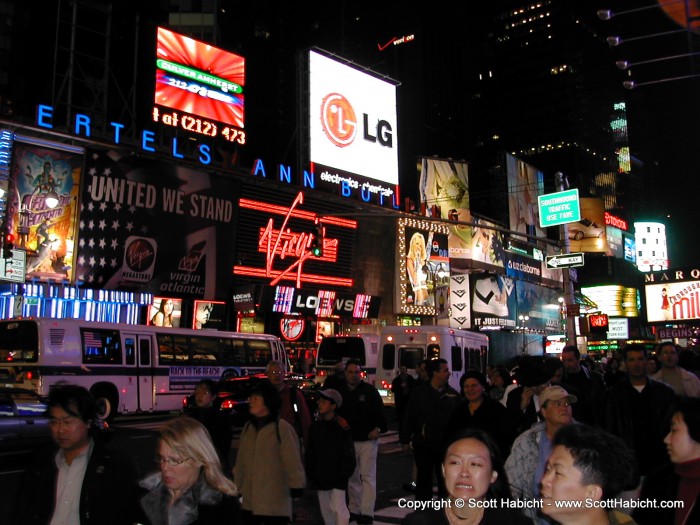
[(242, 386)]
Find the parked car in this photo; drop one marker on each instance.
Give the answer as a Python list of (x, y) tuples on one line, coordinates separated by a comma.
[(585, 229), (23, 420), (235, 391)]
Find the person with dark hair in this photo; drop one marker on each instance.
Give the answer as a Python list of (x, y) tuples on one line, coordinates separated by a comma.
[(478, 410), (588, 385), (337, 379), (216, 422), (362, 407), (269, 470), (473, 472), (190, 487), (635, 408), (79, 480), (164, 314), (589, 466), (402, 386), (499, 379), (523, 401), (683, 382), (425, 424), (653, 364), (528, 458), (613, 375), (680, 479)]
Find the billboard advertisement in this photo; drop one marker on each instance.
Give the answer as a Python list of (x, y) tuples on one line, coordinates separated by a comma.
[(151, 226), (541, 305), (352, 131), (199, 79), (493, 301), (165, 311), (209, 315), (525, 184), (478, 246), (424, 270), (672, 301), (46, 231), (589, 234), (613, 300)]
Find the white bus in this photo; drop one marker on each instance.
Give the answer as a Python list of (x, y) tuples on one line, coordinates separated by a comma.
[(408, 345), (335, 349), (128, 368)]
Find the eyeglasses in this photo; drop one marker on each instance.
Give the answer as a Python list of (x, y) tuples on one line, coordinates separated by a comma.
[(560, 403), (170, 461), (276, 372)]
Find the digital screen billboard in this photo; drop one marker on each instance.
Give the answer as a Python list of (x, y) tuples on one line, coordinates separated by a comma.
[(198, 79), (352, 130), (672, 301)]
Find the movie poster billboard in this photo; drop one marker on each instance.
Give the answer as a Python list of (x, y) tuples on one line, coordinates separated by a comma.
[(525, 184), (589, 234), (209, 315), (151, 226), (43, 177)]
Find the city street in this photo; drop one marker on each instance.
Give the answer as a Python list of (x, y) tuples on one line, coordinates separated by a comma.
[(136, 435)]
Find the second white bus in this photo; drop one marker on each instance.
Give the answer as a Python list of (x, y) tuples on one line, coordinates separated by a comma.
[(408, 345), (128, 368)]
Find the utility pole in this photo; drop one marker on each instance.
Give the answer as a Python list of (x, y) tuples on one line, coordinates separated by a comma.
[(563, 184)]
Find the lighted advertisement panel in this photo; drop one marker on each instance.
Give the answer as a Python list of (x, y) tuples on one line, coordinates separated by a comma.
[(525, 184), (614, 300), (195, 78), (353, 133), (541, 305), (151, 226), (589, 234), (165, 311), (47, 232), (672, 301), (209, 315), (650, 244), (493, 301), (318, 303), (423, 273)]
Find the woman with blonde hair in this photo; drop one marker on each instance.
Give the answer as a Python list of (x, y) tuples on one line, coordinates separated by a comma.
[(416, 266), (190, 488)]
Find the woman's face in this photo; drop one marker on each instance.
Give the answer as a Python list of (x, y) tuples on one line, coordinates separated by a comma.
[(468, 470), (473, 390), (257, 406), (182, 474), (168, 307), (680, 446), (562, 482)]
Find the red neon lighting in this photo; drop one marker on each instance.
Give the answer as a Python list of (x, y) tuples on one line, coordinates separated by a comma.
[(305, 277), (297, 214)]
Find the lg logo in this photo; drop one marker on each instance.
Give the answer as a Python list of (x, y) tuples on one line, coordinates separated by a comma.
[(339, 122)]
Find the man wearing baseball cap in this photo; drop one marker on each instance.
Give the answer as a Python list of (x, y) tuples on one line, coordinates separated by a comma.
[(330, 458), (528, 458)]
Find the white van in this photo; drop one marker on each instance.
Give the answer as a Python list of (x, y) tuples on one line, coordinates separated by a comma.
[(408, 345), (334, 349)]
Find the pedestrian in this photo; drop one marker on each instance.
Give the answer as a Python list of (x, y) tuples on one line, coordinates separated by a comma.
[(337, 378), (683, 382), (191, 487), (586, 384), (268, 471), (587, 468), (294, 409), (425, 425), (330, 458), (214, 420), (401, 387), (523, 400), (362, 407), (474, 477), (78, 479)]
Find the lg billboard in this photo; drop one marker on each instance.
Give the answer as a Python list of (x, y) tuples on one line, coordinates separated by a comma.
[(352, 130)]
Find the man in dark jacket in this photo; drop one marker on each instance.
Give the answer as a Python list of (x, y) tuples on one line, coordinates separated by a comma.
[(587, 384), (330, 457), (635, 410), (425, 422), (363, 409), (83, 482)]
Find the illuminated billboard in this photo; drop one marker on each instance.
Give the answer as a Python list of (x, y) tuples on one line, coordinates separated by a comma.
[(613, 300), (650, 243), (196, 79), (525, 184), (589, 234), (352, 131), (672, 301)]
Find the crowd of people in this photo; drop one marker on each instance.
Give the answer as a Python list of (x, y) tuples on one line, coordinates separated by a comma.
[(550, 441)]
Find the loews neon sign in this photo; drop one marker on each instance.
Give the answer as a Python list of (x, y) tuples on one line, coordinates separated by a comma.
[(282, 245)]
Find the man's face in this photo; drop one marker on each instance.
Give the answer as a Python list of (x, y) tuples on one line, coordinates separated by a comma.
[(276, 375), (203, 397), (68, 431), (571, 363), (557, 412), (353, 375), (636, 363), (442, 375), (669, 357)]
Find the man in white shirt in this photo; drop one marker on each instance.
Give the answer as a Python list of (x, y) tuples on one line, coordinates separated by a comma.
[(684, 383)]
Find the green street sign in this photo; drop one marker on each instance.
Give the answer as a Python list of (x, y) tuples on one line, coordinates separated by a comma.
[(559, 208)]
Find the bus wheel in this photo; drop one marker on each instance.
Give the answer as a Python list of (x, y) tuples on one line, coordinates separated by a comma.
[(106, 401), (231, 372)]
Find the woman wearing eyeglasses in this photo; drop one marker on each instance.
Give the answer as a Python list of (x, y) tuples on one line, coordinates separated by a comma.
[(190, 488)]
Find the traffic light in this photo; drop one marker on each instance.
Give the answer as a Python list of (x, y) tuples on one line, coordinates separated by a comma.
[(316, 247), (8, 244)]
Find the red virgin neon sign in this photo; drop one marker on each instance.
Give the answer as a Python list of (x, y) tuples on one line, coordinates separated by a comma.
[(282, 244)]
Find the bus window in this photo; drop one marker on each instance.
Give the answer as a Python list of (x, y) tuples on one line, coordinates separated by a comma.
[(388, 357), (130, 350), (456, 359), (19, 341), (144, 352), (101, 347), (433, 352), (410, 357), (259, 353), (237, 355), (333, 350), (205, 349)]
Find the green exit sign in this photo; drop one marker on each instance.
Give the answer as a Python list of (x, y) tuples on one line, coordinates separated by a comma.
[(559, 208)]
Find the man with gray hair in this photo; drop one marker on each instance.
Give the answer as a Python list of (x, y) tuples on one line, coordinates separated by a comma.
[(294, 408)]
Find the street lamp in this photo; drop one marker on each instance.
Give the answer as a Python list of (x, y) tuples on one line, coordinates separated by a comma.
[(523, 326)]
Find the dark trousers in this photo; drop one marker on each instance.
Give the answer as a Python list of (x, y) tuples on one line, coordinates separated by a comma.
[(248, 518), (428, 462)]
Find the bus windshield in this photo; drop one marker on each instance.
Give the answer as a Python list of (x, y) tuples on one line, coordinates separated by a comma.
[(335, 349)]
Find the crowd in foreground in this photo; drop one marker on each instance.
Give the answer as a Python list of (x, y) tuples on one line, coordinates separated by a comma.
[(556, 445)]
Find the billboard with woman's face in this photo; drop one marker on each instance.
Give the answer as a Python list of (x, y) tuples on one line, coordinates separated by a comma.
[(165, 311)]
